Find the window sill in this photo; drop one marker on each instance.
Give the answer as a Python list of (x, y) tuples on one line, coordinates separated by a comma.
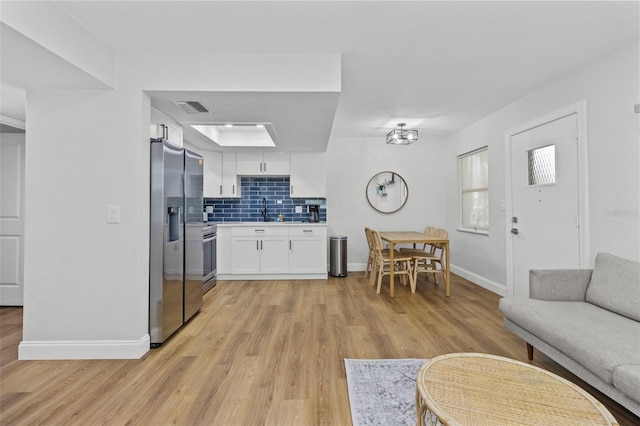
[(474, 231)]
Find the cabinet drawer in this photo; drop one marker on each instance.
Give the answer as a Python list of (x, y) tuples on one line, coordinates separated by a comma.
[(310, 231), (259, 231)]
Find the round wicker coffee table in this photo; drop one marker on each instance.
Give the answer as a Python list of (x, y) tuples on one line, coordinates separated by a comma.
[(481, 389)]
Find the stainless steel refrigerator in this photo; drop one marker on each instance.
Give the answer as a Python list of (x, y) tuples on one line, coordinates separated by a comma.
[(175, 242)]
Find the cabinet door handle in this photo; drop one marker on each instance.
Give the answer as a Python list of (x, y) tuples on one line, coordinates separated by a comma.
[(260, 167), (265, 166), (291, 190), (289, 244), (256, 244), (220, 189), (307, 230), (260, 244), (234, 190)]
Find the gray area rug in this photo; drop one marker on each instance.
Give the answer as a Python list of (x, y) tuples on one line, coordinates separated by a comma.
[(382, 391)]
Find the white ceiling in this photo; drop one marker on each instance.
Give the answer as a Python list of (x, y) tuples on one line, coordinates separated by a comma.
[(298, 121), (436, 65)]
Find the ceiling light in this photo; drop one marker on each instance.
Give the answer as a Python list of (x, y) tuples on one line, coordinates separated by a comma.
[(402, 136), (236, 134)]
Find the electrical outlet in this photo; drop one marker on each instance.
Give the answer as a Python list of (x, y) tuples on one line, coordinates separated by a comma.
[(298, 209)]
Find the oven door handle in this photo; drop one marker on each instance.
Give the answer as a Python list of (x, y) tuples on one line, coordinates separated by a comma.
[(209, 239)]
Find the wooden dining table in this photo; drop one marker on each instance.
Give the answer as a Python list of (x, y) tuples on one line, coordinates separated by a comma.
[(413, 237)]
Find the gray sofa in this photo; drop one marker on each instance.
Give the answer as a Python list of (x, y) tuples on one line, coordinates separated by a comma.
[(588, 321)]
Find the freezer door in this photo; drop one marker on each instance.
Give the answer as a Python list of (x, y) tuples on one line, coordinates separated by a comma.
[(194, 246), (166, 263)]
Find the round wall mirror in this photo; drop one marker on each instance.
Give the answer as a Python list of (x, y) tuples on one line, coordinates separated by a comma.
[(387, 192)]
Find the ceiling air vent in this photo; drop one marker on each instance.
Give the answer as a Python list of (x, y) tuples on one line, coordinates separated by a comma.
[(191, 107)]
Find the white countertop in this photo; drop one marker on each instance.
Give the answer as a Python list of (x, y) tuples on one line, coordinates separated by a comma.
[(262, 224)]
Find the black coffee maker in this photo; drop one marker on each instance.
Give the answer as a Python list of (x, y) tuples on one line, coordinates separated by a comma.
[(314, 213)]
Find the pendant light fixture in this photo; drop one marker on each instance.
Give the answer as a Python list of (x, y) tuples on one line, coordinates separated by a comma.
[(402, 136)]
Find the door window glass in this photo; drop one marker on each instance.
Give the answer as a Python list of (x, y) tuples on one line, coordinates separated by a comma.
[(542, 165)]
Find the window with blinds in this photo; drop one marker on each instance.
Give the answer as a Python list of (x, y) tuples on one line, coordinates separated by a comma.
[(474, 190)]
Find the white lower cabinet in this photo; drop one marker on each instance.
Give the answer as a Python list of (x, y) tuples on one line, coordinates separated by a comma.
[(268, 255), (245, 255), (259, 250), (274, 255), (274, 251), (308, 250)]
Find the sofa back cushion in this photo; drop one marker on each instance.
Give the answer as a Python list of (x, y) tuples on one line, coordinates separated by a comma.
[(615, 285)]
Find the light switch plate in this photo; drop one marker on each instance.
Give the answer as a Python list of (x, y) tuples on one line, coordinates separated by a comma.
[(298, 209), (113, 214)]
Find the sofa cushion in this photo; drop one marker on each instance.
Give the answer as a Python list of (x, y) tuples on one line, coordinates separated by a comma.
[(597, 339), (626, 379), (615, 285)]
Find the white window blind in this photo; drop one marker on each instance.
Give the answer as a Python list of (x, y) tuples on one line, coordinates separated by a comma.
[(474, 189)]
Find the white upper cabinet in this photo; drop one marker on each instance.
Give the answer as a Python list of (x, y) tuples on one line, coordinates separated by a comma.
[(220, 177), (230, 178), (164, 127), (212, 174), (262, 164), (307, 176)]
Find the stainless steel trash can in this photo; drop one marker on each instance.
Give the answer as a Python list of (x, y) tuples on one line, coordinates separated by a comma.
[(338, 256)]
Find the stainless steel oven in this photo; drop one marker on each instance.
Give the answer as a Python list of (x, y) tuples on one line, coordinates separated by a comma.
[(210, 252)]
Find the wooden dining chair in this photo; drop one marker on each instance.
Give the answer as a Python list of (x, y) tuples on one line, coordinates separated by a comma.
[(382, 263), (439, 250), (429, 230), (428, 261), (372, 257)]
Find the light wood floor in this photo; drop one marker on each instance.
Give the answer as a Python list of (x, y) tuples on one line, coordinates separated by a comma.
[(261, 352)]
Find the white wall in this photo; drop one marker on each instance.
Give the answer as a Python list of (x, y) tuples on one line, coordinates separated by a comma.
[(86, 281), (609, 84), (51, 28), (349, 165)]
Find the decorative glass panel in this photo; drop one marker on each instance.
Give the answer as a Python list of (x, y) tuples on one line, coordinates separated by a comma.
[(542, 165)]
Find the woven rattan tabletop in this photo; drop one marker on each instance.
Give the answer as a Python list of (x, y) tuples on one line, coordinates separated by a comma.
[(481, 389)]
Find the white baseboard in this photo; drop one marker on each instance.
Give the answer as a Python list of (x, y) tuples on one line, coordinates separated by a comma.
[(497, 288), (255, 277), (89, 349), (356, 267), (492, 286)]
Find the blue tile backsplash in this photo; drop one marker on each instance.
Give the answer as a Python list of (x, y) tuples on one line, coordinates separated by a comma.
[(249, 207)]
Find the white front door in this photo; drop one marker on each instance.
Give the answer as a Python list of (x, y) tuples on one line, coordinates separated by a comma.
[(11, 218), (545, 219)]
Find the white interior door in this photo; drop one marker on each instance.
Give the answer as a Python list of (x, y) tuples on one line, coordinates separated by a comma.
[(11, 218), (545, 200)]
